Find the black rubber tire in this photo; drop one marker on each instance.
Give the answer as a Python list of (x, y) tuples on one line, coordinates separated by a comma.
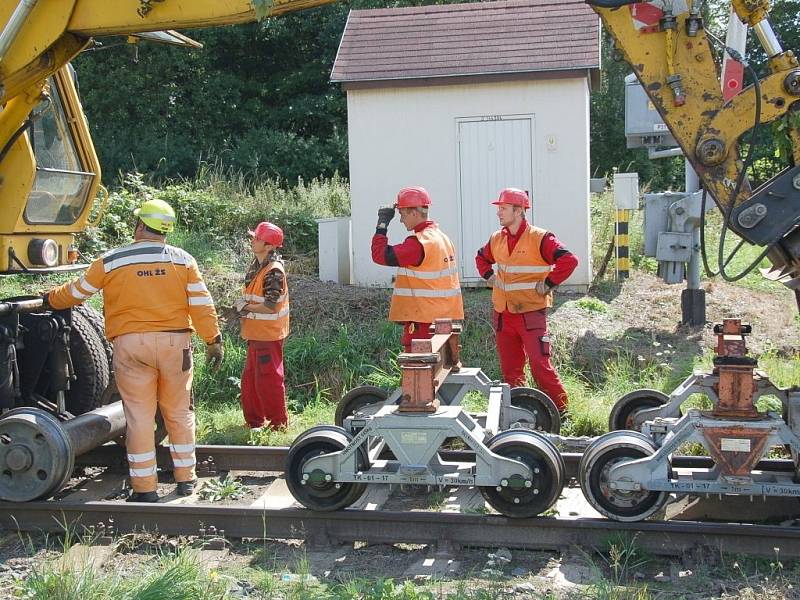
[(322, 497), (357, 398), (548, 419), (90, 361), (623, 411), (537, 452), (97, 321)]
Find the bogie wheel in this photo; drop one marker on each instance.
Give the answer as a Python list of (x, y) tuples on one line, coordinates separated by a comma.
[(626, 408), (546, 417), (594, 473), (357, 399), (517, 499), (90, 359), (316, 493)]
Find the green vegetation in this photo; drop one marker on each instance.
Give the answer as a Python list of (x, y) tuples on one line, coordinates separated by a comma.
[(222, 488)]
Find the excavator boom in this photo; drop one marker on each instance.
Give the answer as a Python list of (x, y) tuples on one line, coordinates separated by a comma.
[(677, 62)]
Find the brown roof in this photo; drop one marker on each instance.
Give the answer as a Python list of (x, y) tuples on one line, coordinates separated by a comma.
[(513, 36)]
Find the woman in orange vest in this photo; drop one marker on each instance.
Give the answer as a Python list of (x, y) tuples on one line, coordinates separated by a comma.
[(530, 263), (264, 320), (426, 286)]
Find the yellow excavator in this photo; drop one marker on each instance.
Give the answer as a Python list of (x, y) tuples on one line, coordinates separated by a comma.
[(677, 61)]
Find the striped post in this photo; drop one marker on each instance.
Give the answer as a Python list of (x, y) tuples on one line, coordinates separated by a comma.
[(621, 243)]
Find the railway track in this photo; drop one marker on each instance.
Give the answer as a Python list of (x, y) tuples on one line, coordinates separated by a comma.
[(374, 520)]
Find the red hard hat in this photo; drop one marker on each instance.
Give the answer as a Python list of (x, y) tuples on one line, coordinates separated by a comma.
[(412, 197), (268, 233), (514, 197)]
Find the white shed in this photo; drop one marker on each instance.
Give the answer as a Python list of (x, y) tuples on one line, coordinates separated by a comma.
[(466, 99)]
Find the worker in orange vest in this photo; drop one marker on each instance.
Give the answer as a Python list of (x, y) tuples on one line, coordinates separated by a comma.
[(154, 297), (264, 319), (530, 263), (426, 286)]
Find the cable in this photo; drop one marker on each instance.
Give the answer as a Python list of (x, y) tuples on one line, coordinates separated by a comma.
[(25, 125), (728, 212)]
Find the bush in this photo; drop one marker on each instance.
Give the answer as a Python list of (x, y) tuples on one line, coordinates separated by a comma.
[(224, 206)]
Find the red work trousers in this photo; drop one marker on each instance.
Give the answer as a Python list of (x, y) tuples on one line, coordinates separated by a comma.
[(263, 391), (414, 331), (155, 370), (521, 335)]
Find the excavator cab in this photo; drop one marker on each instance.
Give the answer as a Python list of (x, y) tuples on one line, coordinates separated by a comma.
[(54, 172)]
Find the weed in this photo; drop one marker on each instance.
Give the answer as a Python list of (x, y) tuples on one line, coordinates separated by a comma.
[(228, 488), (592, 304)]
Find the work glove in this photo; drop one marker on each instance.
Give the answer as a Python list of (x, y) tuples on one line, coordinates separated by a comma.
[(543, 288), (491, 281), (385, 216), (214, 355), (240, 304)]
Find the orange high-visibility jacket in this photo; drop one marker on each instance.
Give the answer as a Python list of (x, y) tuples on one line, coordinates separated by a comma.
[(266, 327), (431, 290), (517, 273), (147, 286)]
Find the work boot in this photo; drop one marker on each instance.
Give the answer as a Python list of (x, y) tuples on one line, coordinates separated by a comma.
[(143, 497), (186, 488)]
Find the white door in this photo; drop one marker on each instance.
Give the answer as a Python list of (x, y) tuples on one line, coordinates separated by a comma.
[(494, 152)]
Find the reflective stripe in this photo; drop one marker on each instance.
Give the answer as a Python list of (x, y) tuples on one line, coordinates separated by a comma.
[(514, 287), (76, 293), (262, 299), (183, 448), (87, 286), (116, 263), (426, 293), (267, 316), (146, 472), (159, 216), (183, 462), (142, 457), (200, 300), (523, 269), (196, 287), (427, 274)]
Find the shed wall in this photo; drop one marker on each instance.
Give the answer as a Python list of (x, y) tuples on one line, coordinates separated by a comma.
[(408, 136)]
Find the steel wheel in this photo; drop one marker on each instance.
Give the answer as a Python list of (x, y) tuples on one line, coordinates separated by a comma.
[(594, 473), (357, 399), (518, 499), (315, 493), (546, 417), (626, 408)]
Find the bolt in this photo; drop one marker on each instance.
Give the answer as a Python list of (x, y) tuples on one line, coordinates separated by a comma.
[(306, 476), (760, 209), (536, 470), (528, 483), (796, 182), (711, 152), (499, 489), (338, 486), (516, 500), (328, 477), (792, 83), (535, 491), (504, 482)]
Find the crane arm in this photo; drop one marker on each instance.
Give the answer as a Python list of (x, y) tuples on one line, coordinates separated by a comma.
[(676, 62)]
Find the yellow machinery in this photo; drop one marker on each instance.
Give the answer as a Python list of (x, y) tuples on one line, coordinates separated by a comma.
[(677, 62), (49, 172)]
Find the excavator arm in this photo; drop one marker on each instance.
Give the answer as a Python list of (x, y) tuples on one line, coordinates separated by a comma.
[(677, 62), (49, 170)]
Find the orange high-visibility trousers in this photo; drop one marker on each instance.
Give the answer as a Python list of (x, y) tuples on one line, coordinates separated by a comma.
[(154, 370)]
